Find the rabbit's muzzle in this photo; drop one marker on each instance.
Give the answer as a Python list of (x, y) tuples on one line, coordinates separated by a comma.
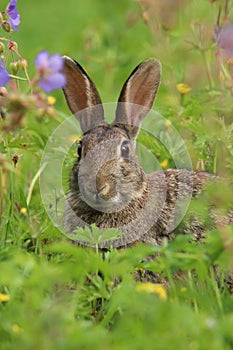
[(111, 186)]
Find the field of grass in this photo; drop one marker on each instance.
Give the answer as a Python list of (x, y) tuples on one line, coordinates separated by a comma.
[(55, 295)]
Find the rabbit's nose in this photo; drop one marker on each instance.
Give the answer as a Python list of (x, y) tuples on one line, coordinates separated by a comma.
[(102, 186), (104, 189)]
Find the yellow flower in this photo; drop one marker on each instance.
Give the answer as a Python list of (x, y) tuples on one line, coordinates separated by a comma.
[(23, 211), (140, 269), (4, 297), (75, 138), (164, 163), (167, 123), (183, 88), (16, 329), (51, 100), (158, 289)]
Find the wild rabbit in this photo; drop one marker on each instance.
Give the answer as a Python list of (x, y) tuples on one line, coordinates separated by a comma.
[(108, 187)]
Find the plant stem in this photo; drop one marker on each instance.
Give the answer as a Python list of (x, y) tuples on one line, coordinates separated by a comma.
[(33, 183), (203, 54), (1, 194)]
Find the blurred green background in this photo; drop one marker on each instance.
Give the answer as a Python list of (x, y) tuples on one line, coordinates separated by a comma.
[(109, 38)]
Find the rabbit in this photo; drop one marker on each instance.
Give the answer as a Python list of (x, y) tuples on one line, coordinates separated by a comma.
[(108, 187)]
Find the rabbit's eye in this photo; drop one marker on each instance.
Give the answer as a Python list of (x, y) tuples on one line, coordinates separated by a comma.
[(79, 150), (125, 149)]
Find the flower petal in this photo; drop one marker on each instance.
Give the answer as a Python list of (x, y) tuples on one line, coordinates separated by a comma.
[(4, 76), (12, 3), (14, 23), (13, 14), (56, 63), (42, 59), (224, 38), (52, 81)]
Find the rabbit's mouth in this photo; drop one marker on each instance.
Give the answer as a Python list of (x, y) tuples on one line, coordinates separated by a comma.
[(106, 202)]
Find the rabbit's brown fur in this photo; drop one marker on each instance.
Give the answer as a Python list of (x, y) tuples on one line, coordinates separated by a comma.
[(143, 206)]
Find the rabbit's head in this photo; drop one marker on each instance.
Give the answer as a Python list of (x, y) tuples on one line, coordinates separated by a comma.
[(107, 175)]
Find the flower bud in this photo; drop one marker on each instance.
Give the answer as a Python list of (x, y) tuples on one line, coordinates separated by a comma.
[(14, 67), (3, 91), (15, 159), (13, 45), (145, 17), (6, 26), (2, 114), (23, 64), (2, 47)]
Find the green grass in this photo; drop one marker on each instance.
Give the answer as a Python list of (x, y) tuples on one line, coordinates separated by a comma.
[(54, 295)]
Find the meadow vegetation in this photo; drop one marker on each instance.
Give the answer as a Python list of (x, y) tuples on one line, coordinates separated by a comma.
[(55, 295)]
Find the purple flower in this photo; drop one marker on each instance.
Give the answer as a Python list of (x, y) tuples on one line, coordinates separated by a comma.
[(50, 71), (13, 14), (224, 39), (4, 76)]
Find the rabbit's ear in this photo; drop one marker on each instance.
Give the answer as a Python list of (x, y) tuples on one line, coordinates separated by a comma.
[(137, 95), (82, 96)]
